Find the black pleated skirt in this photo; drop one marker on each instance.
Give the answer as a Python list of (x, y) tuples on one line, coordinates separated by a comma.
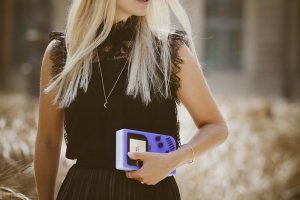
[(86, 183)]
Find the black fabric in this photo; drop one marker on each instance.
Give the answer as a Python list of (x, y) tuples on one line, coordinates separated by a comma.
[(83, 183), (90, 128)]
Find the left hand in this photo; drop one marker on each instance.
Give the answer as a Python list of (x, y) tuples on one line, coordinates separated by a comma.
[(156, 166)]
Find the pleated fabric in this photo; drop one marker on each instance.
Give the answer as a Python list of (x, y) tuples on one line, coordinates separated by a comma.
[(90, 183)]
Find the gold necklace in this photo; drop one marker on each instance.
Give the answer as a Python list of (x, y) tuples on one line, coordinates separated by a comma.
[(106, 98)]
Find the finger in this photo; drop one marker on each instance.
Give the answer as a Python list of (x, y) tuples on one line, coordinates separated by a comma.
[(137, 155), (133, 175), (128, 174)]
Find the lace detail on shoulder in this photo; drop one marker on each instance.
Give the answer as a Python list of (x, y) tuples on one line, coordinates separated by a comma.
[(58, 52), (176, 38)]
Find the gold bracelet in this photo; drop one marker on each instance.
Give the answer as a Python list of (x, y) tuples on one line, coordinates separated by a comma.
[(192, 151)]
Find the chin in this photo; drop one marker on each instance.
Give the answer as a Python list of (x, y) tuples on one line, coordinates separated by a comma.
[(140, 14)]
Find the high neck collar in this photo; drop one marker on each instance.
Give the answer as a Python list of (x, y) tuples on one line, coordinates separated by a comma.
[(123, 29), (130, 22)]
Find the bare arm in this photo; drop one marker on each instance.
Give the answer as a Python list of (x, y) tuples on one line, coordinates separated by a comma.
[(49, 134), (194, 93), (196, 96)]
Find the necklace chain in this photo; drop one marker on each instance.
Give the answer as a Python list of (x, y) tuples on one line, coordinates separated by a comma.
[(106, 98)]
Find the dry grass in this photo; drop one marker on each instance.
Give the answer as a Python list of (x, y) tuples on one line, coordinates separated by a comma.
[(17, 134), (259, 160)]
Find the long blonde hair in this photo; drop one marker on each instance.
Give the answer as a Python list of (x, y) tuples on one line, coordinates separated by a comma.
[(83, 21)]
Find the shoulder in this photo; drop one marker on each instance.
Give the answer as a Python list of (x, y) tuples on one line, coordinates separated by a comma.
[(178, 38), (57, 40), (181, 56), (58, 35), (179, 45), (57, 50)]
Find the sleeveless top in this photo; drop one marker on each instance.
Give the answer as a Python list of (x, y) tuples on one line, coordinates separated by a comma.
[(89, 128)]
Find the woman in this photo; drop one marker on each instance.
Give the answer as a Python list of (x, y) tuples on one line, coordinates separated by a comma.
[(120, 65)]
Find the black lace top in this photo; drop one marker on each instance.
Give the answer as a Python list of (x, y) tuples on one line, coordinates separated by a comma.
[(89, 127)]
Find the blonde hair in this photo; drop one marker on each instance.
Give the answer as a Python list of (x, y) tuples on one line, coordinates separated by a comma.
[(83, 21)]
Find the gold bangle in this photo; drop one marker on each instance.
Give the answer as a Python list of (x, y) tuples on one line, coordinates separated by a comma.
[(192, 151)]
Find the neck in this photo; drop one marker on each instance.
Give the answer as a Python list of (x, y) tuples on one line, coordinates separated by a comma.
[(121, 16)]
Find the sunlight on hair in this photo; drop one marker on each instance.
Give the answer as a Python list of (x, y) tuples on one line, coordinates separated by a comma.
[(83, 22)]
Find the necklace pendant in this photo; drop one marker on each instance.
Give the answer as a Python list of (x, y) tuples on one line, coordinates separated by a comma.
[(105, 104)]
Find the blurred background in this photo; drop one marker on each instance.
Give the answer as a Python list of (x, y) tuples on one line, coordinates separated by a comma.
[(250, 54)]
